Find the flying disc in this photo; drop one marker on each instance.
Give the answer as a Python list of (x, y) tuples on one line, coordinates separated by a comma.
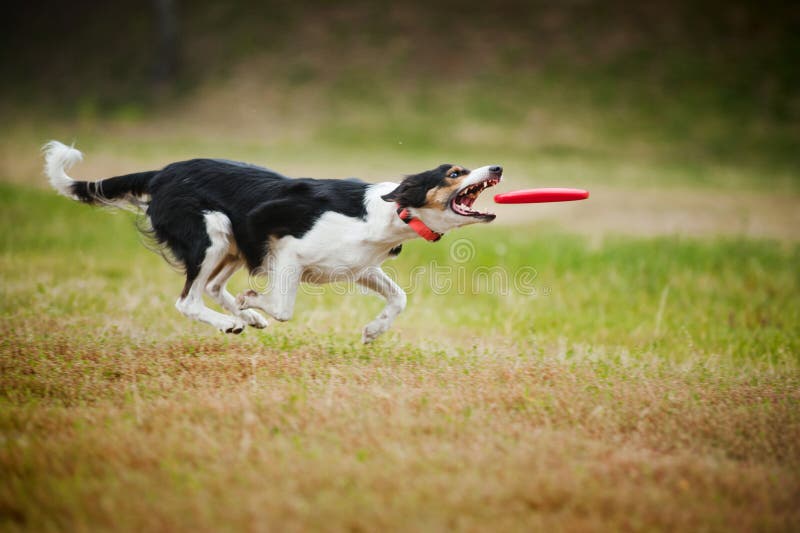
[(536, 196)]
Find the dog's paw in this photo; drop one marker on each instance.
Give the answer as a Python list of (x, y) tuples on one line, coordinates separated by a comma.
[(243, 300), (235, 326), (253, 319), (373, 330)]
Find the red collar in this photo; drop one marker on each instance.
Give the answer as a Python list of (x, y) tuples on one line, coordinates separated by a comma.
[(418, 225)]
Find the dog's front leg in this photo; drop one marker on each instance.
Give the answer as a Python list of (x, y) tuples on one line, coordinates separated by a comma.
[(376, 280), (279, 299)]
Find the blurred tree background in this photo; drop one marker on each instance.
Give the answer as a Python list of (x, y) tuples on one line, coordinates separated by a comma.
[(674, 83)]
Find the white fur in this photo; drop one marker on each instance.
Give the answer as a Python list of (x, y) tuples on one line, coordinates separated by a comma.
[(58, 158), (216, 289), (219, 231)]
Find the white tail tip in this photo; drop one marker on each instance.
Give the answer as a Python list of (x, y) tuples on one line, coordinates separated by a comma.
[(58, 158)]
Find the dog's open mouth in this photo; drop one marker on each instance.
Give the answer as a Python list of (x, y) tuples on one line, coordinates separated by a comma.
[(463, 200)]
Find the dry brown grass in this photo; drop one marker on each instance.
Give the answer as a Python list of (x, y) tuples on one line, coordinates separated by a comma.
[(207, 434)]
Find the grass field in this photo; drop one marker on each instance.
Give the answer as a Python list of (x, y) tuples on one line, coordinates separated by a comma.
[(582, 384)]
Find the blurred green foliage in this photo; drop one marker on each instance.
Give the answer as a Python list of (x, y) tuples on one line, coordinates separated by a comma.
[(712, 80)]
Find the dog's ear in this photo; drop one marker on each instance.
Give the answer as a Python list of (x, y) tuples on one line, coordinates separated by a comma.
[(413, 191), (410, 193)]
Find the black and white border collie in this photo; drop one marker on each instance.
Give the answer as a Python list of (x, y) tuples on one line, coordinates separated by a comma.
[(216, 216)]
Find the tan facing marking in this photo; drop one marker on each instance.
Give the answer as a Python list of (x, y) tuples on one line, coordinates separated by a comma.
[(438, 197)]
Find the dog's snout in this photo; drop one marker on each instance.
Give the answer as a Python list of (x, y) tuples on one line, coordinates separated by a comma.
[(496, 169)]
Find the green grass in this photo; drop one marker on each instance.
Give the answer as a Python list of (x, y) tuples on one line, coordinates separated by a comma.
[(635, 384)]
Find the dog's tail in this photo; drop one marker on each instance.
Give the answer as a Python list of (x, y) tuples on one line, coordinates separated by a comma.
[(122, 191)]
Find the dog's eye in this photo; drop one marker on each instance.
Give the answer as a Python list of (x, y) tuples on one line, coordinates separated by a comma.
[(454, 174)]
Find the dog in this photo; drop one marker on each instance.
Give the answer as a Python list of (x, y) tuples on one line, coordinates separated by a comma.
[(216, 216)]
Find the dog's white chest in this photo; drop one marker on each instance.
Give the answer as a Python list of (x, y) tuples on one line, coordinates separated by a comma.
[(337, 248)]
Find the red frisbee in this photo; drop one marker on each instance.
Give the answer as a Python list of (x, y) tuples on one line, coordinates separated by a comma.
[(536, 196)]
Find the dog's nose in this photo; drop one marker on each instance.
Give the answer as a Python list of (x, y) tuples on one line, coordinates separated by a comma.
[(496, 169)]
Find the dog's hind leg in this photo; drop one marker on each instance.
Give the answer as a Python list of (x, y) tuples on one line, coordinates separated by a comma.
[(199, 270), (216, 288), (376, 280)]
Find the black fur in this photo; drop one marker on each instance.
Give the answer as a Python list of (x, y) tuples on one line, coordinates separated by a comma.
[(260, 204), (92, 192), (413, 190)]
